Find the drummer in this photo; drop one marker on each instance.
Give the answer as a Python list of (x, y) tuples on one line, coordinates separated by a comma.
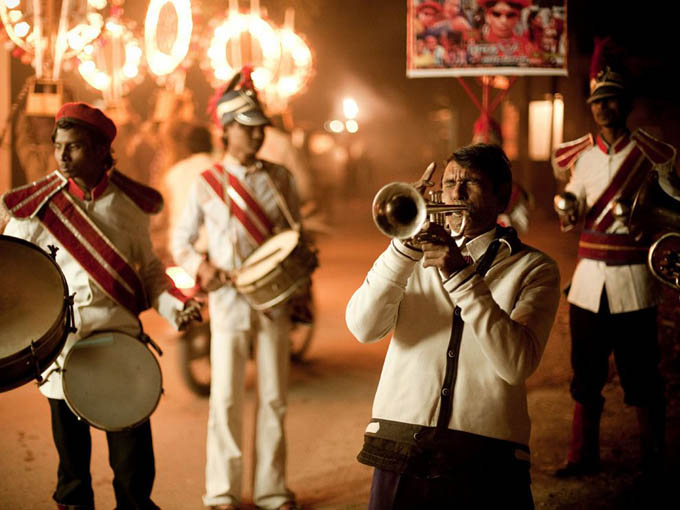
[(98, 219), (242, 201)]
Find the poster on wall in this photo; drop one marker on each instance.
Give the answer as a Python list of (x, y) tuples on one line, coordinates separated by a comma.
[(486, 37)]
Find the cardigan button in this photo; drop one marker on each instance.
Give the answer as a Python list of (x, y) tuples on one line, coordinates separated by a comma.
[(451, 354), (445, 391), (417, 436)]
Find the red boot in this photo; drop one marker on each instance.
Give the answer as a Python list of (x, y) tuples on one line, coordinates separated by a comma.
[(584, 450)]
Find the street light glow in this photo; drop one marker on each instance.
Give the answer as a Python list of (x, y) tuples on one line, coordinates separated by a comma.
[(352, 126), (336, 126), (350, 108)]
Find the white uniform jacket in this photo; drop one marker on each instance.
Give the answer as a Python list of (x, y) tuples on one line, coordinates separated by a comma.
[(228, 242), (629, 287), (127, 227), (507, 319)]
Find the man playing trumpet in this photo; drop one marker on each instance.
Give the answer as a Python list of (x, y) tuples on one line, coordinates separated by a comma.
[(471, 317)]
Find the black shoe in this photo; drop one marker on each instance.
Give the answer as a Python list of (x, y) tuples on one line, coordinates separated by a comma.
[(575, 469)]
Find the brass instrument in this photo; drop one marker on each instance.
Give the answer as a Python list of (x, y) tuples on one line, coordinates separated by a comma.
[(566, 207), (664, 259), (400, 210), (655, 212)]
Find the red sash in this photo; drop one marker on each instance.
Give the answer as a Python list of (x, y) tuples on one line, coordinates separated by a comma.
[(614, 249), (241, 203), (625, 183), (93, 251)]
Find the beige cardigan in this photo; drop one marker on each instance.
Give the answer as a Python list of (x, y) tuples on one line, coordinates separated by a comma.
[(508, 316)]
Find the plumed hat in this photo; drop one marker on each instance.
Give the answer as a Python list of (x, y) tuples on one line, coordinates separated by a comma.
[(238, 102), (606, 77), (83, 113)]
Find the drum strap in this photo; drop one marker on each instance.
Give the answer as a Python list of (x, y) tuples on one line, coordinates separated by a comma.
[(94, 252), (242, 205), (625, 183)]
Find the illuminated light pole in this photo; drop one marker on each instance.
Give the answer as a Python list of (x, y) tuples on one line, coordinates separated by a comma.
[(46, 35), (163, 64), (112, 63)]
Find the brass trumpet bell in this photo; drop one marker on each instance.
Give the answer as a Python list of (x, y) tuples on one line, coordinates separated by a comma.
[(400, 211)]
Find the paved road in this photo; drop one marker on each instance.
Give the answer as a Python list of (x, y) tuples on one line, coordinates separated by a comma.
[(330, 404)]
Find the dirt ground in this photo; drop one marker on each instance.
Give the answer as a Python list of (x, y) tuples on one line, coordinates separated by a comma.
[(330, 404)]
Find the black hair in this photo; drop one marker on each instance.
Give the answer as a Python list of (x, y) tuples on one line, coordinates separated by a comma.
[(96, 137), (491, 161)]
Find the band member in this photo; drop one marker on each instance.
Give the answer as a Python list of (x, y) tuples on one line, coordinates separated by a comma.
[(612, 297), (242, 201), (471, 317), (98, 220)]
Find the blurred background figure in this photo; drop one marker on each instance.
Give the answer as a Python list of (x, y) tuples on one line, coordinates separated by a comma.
[(516, 214), (193, 150)]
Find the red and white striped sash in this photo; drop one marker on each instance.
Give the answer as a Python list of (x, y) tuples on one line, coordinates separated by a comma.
[(94, 251), (241, 203)]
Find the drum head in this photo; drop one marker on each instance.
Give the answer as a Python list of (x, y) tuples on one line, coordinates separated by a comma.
[(32, 297), (112, 381), (267, 257)]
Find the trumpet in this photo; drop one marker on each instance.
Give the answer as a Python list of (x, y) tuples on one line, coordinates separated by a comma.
[(400, 210)]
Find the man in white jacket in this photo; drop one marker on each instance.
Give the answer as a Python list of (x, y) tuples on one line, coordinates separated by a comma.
[(98, 219), (471, 316)]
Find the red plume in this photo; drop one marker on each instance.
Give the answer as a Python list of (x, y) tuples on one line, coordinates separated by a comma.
[(241, 80), (246, 79), (606, 53)]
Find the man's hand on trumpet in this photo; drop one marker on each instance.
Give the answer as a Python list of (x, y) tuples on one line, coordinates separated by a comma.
[(425, 181), (211, 278), (439, 249)]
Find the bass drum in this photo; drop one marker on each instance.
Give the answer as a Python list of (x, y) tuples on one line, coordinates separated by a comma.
[(35, 312), (112, 381), (275, 270)]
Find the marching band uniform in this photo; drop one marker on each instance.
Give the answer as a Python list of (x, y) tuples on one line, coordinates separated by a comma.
[(239, 208), (612, 294), (105, 254)]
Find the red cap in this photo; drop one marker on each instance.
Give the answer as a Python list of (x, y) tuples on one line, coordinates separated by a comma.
[(83, 113)]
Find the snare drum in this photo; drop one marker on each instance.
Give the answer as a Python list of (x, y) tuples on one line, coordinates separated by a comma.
[(275, 270), (112, 381), (35, 312)]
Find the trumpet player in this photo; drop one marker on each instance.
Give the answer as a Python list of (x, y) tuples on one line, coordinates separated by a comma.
[(612, 301), (470, 309)]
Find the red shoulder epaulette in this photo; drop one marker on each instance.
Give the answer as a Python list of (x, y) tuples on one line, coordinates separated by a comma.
[(145, 197), (566, 154), (657, 151), (25, 201)]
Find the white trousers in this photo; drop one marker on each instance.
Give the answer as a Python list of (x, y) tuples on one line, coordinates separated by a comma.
[(228, 356)]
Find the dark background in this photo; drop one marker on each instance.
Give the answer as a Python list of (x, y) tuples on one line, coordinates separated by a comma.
[(359, 48)]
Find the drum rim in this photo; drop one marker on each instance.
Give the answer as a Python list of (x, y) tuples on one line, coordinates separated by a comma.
[(275, 267), (61, 322), (280, 298), (97, 425)]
